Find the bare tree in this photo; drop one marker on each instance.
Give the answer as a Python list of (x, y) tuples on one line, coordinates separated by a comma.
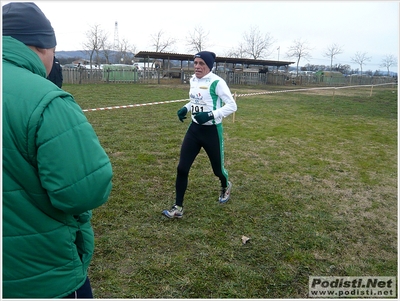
[(238, 52), (299, 50), (332, 51), (96, 38), (345, 69), (257, 44), (107, 48), (360, 58), (162, 44), (388, 61), (126, 52), (197, 40)]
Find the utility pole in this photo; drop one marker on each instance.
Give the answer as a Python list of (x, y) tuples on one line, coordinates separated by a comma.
[(116, 39), (279, 48), (116, 43)]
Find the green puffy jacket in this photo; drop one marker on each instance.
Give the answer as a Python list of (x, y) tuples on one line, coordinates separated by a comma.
[(54, 173)]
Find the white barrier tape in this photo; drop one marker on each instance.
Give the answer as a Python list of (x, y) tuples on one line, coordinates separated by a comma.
[(135, 105), (237, 95), (309, 89)]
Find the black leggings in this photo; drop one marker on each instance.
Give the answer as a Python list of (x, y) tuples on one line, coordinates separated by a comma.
[(209, 137), (84, 292)]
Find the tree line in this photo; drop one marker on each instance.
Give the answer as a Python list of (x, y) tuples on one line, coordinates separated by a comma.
[(255, 44)]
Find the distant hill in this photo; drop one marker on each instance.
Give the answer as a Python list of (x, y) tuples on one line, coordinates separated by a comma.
[(68, 56), (72, 54)]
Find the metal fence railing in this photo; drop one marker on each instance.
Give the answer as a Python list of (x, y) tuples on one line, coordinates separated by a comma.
[(131, 75)]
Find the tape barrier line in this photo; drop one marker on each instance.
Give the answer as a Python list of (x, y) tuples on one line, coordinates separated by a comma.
[(237, 95), (135, 105), (309, 89)]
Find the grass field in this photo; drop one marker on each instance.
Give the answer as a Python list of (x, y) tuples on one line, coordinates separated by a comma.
[(314, 188)]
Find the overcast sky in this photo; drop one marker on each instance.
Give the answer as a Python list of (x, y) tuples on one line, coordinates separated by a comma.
[(357, 26)]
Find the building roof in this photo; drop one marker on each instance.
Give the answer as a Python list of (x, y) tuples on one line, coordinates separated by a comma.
[(218, 59)]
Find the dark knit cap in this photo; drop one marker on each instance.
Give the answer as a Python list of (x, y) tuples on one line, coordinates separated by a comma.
[(25, 22), (208, 57)]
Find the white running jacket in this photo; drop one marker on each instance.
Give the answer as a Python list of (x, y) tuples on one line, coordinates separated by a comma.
[(210, 93)]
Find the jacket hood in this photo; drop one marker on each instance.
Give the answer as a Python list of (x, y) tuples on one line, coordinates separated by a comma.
[(17, 53)]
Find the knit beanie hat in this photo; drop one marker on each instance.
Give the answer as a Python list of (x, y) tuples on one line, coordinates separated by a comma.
[(208, 57), (25, 22)]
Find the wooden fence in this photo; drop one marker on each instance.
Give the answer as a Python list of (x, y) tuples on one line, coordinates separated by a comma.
[(86, 76)]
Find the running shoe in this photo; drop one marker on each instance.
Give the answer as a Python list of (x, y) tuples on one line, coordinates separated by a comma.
[(175, 212), (225, 193)]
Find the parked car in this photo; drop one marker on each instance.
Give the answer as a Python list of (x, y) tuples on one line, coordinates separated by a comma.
[(220, 69), (238, 67), (68, 66)]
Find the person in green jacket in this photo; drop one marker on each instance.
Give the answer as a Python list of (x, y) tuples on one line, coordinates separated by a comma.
[(55, 172)]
